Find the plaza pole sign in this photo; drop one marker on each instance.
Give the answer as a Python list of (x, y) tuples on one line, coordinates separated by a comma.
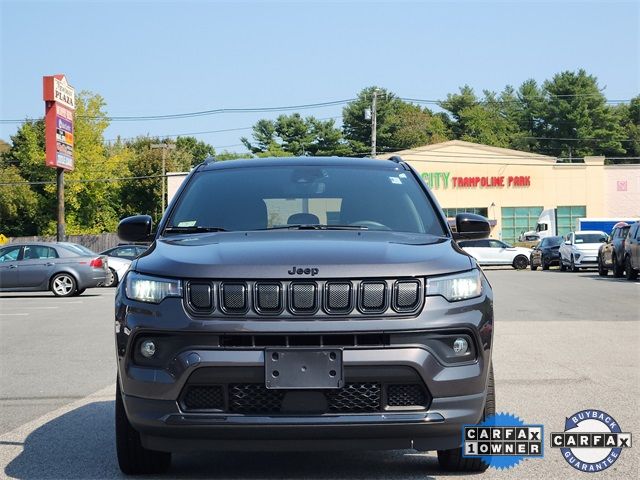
[(60, 102)]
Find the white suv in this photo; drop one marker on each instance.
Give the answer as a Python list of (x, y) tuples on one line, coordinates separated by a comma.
[(580, 249), (496, 252)]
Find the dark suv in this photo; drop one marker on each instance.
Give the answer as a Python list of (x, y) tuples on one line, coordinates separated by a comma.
[(302, 304), (611, 253), (632, 252)]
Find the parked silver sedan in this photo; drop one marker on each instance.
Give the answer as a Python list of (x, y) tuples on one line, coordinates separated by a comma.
[(66, 269)]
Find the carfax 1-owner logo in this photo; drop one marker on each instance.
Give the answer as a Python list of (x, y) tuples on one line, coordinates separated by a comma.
[(502, 441), (592, 440)]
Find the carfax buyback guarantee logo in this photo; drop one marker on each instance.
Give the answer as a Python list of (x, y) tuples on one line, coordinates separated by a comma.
[(592, 440), (502, 441)]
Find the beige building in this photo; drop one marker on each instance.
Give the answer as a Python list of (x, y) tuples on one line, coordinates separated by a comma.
[(511, 188)]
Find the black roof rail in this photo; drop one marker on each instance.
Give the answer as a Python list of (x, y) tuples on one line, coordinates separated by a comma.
[(396, 158)]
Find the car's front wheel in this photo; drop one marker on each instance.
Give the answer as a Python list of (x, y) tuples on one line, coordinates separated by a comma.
[(602, 270), (133, 458), (64, 285), (631, 273), (533, 266), (452, 460), (618, 270), (520, 262)]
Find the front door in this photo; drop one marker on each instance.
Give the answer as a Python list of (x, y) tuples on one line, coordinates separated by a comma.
[(9, 266)]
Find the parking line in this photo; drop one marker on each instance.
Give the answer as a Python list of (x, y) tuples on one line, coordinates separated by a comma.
[(13, 314)]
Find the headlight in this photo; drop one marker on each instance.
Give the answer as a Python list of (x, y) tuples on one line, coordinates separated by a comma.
[(144, 288), (460, 286)]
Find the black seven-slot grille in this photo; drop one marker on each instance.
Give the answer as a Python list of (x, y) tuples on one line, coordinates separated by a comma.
[(255, 398), (304, 297)]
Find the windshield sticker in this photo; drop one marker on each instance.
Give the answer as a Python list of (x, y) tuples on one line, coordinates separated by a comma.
[(403, 175), (395, 180), (191, 223)]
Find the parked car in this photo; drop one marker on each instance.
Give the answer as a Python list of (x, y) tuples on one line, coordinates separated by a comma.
[(129, 252), (120, 258), (546, 253), (611, 253), (64, 268), (632, 252), (262, 317), (580, 249), (496, 252)]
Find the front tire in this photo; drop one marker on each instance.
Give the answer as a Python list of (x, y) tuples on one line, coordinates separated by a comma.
[(618, 270), (602, 270), (133, 458), (452, 460), (533, 267), (631, 273), (64, 285), (573, 267), (520, 262)]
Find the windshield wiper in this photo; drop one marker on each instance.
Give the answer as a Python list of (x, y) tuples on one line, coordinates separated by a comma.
[(193, 229), (318, 227)]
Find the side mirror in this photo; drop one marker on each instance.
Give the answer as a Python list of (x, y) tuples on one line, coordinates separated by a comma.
[(471, 226), (135, 229)]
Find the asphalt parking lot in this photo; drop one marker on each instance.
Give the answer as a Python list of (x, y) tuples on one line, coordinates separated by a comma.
[(564, 342)]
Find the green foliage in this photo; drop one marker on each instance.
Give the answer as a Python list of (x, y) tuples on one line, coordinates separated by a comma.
[(292, 135), (197, 149), (18, 204)]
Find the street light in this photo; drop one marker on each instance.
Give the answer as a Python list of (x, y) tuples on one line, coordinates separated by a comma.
[(164, 147)]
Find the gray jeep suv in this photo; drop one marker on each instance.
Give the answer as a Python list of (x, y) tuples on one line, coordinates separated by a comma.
[(301, 304)]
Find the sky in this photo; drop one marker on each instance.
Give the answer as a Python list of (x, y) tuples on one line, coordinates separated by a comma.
[(167, 57)]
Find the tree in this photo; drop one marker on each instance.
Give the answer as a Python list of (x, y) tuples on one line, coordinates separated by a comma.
[(399, 124), (197, 149), (18, 204), (576, 109), (292, 135)]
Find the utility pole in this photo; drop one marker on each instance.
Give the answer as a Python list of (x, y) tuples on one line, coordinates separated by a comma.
[(60, 231), (164, 147), (374, 121)]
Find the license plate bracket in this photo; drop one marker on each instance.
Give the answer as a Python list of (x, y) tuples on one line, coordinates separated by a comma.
[(303, 368)]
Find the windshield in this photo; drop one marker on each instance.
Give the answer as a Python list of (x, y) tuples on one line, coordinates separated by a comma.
[(591, 238), (275, 197), (552, 242), (78, 249)]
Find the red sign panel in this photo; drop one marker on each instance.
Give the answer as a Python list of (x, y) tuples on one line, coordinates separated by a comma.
[(59, 99)]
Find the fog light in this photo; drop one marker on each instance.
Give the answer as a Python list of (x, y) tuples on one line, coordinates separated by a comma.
[(148, 348), (460, 346)]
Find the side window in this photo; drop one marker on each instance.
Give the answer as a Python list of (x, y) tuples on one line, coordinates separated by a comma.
[(36, 252), (482, 243), (495, 244), (9, 254)]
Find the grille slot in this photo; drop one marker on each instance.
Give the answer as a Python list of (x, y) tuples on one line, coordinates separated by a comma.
[(406, 296), (303, 298), (254, 398), (200, 296), (268, 297), (411, 395), (338, 297), (204, 397), (373, 297), (355, 398), (233, 297)]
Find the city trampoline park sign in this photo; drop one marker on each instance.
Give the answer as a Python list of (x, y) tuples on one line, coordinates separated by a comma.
[(444, 180)]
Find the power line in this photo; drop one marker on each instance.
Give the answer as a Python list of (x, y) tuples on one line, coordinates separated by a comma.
[(216, 111), (306, 106)]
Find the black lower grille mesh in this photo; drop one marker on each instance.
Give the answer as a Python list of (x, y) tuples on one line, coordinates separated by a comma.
[(204, 397), (406, 396), (254, 398), (355, 398)]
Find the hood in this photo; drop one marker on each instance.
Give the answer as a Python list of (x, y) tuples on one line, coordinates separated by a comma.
[(326, 254), (587, 247)]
